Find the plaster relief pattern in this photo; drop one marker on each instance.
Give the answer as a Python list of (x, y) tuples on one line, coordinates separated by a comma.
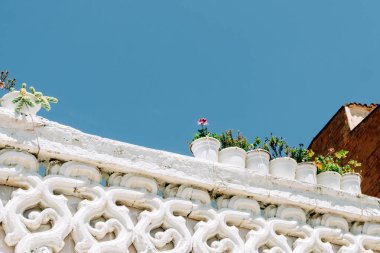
[(139, 212)]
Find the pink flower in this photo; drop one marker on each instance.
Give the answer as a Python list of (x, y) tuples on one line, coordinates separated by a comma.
[(203, 122), (331, 151)]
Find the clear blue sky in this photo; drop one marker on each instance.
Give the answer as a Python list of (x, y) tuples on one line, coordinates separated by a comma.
[(143, 72)]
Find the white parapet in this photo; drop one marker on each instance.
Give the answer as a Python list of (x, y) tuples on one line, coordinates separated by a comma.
[(101, 195)]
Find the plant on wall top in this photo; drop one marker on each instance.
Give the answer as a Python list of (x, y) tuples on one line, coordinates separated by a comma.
[(333, 162), (203, 131), (227, 140), (350, 167), (277, 146), (43, 100), (258, 144), (23, 99), (301, 154), (5, 82)]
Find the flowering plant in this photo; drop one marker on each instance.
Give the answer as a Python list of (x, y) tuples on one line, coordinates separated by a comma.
[(301, 154), (227, 140), (203, 131), (5, 82), (333, 161)]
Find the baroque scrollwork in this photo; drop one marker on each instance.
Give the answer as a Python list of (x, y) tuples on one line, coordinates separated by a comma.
[(136, 212), (35, 218), (220, 228), (102, 221), (168, 219)]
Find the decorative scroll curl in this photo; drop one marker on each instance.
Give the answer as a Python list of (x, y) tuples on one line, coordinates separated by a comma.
[(43, 211), (36, 219), (167, 218), (102, 222)]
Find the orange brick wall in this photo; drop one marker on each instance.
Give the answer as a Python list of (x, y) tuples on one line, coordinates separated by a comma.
[(363, 142)]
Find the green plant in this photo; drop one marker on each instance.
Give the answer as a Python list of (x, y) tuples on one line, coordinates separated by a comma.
[(277, 146), (258, 144), (349, 167), (23, 99), (227, 140), (333, 161), (301, 154), (5, 82), (203, 131), (43, 100)]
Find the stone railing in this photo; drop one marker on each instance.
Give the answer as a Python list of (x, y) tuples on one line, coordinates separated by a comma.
[(66, 191)]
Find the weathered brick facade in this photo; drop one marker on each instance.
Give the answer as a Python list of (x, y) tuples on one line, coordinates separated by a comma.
[(355, 128)]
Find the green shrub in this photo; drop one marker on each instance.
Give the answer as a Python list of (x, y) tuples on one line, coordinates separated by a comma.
[(277, 146), (301, 154), (227, 140), (333, 161)]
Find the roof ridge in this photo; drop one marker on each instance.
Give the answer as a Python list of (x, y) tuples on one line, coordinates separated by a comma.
[(372, 105)]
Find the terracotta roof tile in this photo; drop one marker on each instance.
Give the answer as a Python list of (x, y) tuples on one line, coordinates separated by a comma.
[(372, 105)]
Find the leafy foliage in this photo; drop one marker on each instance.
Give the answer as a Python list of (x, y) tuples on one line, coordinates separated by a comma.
[(333, 161), (257, 143), (349, 167), (43, 100), (24, 99), (301, 154), (227, 140), (5, 82), (277, 146)]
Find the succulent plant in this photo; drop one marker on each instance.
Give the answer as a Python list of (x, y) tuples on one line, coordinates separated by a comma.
[(24, 99), (43, 100)]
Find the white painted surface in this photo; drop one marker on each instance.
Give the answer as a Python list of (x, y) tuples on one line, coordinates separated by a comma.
[(258, 161), (355, 115), (160, 201), (307, 173), (329, 179), (350, 182), (233, 156), (283, 167), (63, 143), (206, 148), (7, 102)]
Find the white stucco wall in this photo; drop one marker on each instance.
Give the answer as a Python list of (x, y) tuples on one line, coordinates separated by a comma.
[(155, 200)]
